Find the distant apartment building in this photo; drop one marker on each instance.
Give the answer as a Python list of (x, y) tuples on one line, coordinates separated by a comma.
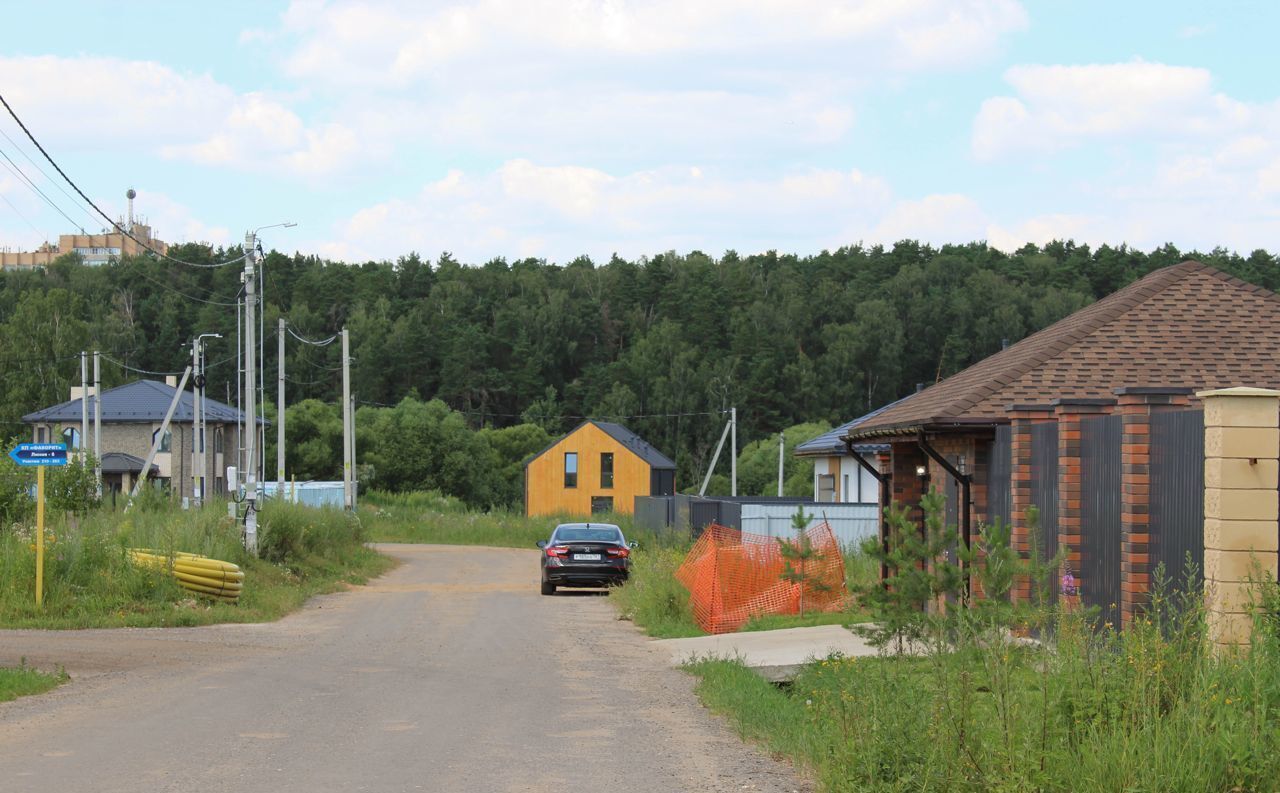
[(93, 249)]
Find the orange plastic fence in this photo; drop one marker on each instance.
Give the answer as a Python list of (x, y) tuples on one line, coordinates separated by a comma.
[(732, 577)]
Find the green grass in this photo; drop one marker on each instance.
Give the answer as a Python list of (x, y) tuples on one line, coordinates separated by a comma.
[(24, 681), (1148, 710), (90, 582)]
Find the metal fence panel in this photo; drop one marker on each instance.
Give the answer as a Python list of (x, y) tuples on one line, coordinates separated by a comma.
[(1100, 485), (654, 513), (1044, 485), (851, 523), (1000, 476), (1177, 493)]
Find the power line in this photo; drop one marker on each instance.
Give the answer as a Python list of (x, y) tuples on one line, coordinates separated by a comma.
[(313, 343), (18, 212), (45, 174), (87, 200), (13, 168)]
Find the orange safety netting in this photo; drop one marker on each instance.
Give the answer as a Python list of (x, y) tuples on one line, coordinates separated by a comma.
[(732, 577)]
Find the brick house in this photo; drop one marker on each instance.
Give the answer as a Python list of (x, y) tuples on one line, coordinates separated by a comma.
[(1145, 349), (131, 417)]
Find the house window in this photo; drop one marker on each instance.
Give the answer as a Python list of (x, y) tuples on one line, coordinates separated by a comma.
[(606, 469), (42, 434), (846, 489), (71, 437), (570, 469), (826, 487), (217, 442), (166, 443), (601, 505)]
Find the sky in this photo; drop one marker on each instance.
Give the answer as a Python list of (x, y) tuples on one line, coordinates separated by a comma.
[(561, 128)]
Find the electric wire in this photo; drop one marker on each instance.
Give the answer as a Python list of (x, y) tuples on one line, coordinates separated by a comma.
[(18, 212), (13, 168), (312, 342), (48, 178), (96, 208)]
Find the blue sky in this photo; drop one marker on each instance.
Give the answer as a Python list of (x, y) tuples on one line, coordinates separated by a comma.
[(553, 129)]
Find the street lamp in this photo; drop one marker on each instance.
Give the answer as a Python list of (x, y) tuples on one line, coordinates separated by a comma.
[(197, 418)]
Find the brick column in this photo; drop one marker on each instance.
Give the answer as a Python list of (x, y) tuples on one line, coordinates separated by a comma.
[(1241, 447), (1021, 417), (907, 485), (1136, 405), (1070, 413)]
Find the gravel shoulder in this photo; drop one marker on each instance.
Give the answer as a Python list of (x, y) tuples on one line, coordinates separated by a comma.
[(451, 673)]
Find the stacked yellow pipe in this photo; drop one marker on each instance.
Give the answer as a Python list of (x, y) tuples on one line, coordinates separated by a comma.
[(195, 573)]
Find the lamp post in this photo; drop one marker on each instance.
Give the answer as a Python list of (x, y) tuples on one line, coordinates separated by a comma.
[(201, 470), (250, 431)]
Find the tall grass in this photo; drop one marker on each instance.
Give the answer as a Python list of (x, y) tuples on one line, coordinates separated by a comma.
[(90, 581), (23, 680), (1149, 709)]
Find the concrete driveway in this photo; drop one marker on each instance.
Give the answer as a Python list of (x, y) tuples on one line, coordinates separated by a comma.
[(451, 673)]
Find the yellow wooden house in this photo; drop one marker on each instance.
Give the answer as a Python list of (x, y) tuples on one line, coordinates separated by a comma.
[(599, 467)]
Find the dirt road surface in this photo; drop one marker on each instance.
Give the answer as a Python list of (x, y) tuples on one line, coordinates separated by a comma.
[(451, 673)]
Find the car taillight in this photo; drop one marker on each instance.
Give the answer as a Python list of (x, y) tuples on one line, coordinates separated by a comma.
[(620, 553), (558, 551)]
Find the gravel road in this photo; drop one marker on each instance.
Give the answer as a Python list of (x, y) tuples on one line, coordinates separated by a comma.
[(451, 673)]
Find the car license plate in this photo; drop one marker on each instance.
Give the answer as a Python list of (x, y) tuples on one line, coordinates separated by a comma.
[(586, 557)]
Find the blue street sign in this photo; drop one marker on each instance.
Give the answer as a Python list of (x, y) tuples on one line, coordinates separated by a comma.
[(39, 454)]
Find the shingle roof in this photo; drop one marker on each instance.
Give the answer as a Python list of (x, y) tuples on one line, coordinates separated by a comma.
[(642, 448), (141, 401), (119, 462), (1188, 325), (831, 442)]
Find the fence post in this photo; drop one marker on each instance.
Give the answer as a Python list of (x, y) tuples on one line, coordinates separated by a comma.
[(1071, 494), (1136, 405), (1021, 417), (1241, 447)]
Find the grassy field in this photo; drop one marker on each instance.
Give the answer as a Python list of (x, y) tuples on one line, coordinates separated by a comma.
[(25, 681), (1149, 710), (89, 581)]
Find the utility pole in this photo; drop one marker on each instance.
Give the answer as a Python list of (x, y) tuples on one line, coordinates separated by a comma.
[(355, 476), (782, 442), (97, 420), (348, 495), (280, 416), (251, 398), (84, 406), (733, 453), (196, 446)]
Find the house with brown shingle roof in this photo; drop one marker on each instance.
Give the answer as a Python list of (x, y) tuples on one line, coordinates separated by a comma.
[(1180, 329)]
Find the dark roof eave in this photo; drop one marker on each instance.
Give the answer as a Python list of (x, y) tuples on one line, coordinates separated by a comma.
[(937, 424)]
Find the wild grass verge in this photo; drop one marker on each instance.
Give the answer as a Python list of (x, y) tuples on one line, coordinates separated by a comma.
[(90, 582), (24, 680)]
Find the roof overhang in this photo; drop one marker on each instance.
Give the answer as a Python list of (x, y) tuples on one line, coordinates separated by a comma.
[(938, 426)]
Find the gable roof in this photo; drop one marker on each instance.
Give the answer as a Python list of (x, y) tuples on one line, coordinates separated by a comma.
[(142, 401), (633, 443), (831, 442), (1187, 325)]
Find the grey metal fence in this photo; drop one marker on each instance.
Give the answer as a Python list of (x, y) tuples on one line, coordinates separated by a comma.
[(1044, 486), (655, 513), (1100, 485), (1177, 493), (999, 476)]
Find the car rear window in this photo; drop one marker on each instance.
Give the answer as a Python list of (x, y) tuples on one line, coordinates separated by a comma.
[(589, 535)]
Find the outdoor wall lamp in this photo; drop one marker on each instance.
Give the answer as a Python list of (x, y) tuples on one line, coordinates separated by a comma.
[(922, 471), (962, 466)]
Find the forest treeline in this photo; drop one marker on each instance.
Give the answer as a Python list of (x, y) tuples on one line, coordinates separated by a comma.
[(664, 344)]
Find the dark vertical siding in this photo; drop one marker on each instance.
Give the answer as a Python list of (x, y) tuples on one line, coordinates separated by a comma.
[(662, 482), (1100, 486), (1177, 492), (1044, 486), (999, 476)]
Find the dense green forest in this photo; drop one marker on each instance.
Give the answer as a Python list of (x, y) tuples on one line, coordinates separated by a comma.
[(664, 344)]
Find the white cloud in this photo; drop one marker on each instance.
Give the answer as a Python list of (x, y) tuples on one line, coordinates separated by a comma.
[(559, 212), (935, 218), (396, 43), (80, 102), (1062, 106)]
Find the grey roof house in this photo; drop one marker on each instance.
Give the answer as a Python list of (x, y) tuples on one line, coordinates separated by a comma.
[(837, 477), (131, 417)]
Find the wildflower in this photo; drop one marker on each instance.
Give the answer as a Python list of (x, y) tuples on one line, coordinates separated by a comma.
[(1069, 584)]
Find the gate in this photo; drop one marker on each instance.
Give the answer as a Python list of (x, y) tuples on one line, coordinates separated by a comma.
[(1100, 486), (999, 476), (1177, 494), (1044, 488)]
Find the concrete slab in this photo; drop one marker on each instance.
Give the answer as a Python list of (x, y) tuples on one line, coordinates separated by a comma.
[(775, 655)]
